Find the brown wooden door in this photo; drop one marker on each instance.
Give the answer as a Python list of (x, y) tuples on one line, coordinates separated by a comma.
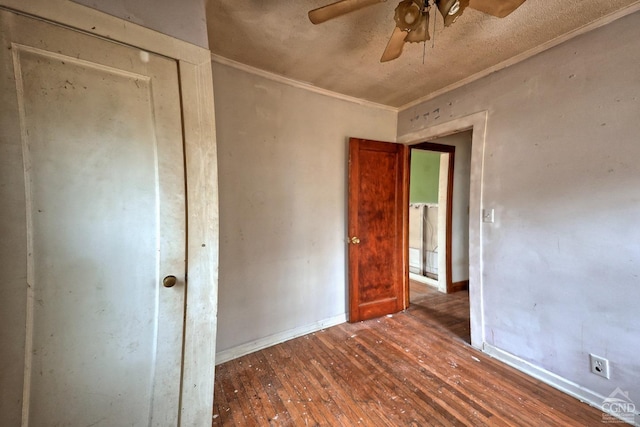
[(378, 218)]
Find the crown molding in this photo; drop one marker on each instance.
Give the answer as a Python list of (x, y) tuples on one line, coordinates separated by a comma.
[(298, 84)]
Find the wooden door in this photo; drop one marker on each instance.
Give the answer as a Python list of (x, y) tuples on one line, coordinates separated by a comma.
[(378, 215), (93, 219)]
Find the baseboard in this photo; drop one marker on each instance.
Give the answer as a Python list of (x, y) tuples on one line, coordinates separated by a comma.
[(423, 279), (250, 347), (569, 387), (460, 286)]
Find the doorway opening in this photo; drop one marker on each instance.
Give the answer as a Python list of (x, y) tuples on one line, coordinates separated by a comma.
[(477, 124), (430, 186), (439, 190)]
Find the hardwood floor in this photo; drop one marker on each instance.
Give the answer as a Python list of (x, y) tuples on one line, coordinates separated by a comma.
[(419, 290), (409, 369), (446, 311)]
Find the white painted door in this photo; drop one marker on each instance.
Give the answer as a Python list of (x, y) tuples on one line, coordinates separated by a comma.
[(92, 218)]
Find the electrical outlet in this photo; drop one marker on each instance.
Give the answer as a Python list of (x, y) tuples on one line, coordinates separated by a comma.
[(599, 365)]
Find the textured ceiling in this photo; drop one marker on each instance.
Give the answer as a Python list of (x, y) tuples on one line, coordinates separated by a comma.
[(342, 55)]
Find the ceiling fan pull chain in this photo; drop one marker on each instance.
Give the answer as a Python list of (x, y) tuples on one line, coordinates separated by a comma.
[(425, 9), (435, 18), (424, 51)]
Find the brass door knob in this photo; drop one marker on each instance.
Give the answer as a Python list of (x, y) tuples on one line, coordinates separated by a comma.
[(354, 240), (169, 281)]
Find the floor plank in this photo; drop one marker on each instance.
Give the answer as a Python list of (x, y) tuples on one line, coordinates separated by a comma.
[(448, 311), (414, 368)]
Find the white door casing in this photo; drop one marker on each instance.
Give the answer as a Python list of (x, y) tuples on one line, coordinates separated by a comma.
[(92, 173)]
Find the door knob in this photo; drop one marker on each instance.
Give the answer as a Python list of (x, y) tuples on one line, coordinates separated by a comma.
[(354, 240), (169, 281)]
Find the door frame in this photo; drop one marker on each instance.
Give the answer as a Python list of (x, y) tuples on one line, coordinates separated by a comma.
[(201, 175), (451, 151), (477, 122)]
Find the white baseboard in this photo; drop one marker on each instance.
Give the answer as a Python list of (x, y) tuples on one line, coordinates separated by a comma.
[(250, 347), (569, 387)]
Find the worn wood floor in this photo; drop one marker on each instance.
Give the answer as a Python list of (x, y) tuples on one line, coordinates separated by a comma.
[(409, 369), (417, 291)]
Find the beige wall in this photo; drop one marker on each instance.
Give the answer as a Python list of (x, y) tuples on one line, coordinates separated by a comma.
[(283, 173)]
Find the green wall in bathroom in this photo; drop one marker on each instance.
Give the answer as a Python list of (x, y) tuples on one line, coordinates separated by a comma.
[(425, 173)]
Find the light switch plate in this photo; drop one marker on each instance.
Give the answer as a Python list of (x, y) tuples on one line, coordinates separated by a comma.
[(488, 215)]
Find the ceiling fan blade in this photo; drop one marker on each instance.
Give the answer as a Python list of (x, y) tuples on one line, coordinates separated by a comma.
[(395, 45), (499, 8), (339, 8)]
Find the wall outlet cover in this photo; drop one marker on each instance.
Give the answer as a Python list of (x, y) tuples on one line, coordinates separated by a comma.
[(599, 365)]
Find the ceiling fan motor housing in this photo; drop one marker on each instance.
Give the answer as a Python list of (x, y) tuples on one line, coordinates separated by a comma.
[(408, 14)]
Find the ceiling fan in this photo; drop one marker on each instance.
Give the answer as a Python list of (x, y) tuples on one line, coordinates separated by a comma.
[(412, 17)]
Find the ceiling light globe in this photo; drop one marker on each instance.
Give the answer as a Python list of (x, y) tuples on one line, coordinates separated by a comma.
[(455, 8)]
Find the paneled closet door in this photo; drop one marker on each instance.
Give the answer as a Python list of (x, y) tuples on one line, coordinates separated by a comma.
[(92, 222)]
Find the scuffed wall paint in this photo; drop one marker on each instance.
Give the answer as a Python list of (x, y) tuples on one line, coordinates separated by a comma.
[(282, 155), (184, 19), (561, 263)]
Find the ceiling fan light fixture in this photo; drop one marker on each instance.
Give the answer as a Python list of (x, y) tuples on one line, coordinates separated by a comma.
[(410, 18), (455, 8), (451, 10), (407, 15)]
